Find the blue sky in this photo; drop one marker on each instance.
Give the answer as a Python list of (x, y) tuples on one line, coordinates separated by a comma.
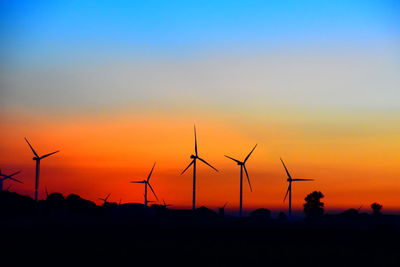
[(313, 81), (110, 55), (76, 30)]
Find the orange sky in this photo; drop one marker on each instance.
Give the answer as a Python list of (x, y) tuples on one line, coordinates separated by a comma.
[(354, 159)]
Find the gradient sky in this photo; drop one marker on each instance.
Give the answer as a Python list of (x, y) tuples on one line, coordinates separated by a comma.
[(117, 85)]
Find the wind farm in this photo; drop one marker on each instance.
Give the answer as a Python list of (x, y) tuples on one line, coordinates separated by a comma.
[(147, 185), (200, 133), (145, 224)]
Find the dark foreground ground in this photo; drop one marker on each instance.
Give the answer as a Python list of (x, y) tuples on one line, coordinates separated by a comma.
[(223, 245), (51, 235)]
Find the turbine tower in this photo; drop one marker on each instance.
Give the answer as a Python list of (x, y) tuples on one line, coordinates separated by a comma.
[(147, 183), (242, 165), (194, 158), (289, 190), (4, 177), (37, 158)]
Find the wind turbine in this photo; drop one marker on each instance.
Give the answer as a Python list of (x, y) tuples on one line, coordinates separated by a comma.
[(221, 210), (165, 204), (4, 176), (105, 199), (37, 158), (147, 183), (193, 162), (289, 190), (242, 165)]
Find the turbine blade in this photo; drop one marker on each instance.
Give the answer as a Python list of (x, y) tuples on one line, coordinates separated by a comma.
[(151, 172), (33, 150), (287, 172), (195, 141), (15, 173), (207, 163), (232, 159), (248, 156), (9, 176), (45, 156), (287, 192), (105, 200), (302, 179), (248, 178), (16, 180), (188, 166), (152, 190)]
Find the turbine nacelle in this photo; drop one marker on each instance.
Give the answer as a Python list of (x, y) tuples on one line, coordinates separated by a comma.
[(193, 156)]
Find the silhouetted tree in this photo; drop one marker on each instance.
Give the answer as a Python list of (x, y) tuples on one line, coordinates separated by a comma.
[(110, 205), (261, 214), (76, 203), (55, 197), (376, 208), (281, 216), (205, 212), (55, 201), (350, 213), (13, 204), (313, 206)]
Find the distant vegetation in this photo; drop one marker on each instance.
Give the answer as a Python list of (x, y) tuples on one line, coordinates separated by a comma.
[(72, 208), (313, 206)]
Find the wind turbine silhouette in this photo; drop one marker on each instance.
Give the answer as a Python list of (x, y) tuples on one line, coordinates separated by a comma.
[(151, 201), (5, 177), (193, 162), (37, 158), (165, 204), (147, 183), (221, 210), (105, 199), (242, 165), (289, 190)]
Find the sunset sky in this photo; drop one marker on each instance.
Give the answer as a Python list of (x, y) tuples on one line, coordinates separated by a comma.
[(117, 85)]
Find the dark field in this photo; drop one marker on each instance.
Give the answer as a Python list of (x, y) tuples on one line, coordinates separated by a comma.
[(222, 245), (75, 234)]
